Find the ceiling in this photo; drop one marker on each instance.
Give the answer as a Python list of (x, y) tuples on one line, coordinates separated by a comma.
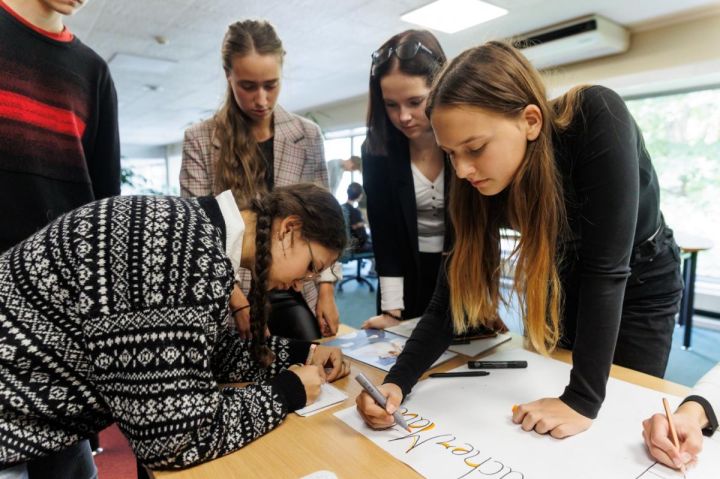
[(328, 44)]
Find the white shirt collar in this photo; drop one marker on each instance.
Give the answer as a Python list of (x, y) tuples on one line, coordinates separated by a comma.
[(234, 227)]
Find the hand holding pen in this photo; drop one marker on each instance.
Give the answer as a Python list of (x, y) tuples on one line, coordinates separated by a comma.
[(378, 406), (688, 421)]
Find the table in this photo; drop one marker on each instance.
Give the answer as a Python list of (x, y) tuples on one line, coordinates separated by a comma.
[(301, 446), (690, 245)]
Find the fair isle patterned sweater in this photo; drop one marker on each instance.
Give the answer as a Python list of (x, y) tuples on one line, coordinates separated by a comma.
[(116, 312)]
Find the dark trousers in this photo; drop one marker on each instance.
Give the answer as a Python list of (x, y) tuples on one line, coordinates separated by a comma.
[(75, 462), (290, 316), (652, 299)]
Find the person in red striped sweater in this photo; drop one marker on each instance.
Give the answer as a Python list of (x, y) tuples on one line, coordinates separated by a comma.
[(59, 144)]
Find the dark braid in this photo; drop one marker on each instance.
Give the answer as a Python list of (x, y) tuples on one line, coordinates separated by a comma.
[(260, 309), (322, 221)]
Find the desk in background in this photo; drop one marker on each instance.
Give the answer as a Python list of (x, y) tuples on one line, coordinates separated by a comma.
[(690, 246), (301, 446)]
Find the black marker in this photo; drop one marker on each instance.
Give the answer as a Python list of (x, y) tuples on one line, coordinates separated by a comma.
[(459, 374), (497, 364)]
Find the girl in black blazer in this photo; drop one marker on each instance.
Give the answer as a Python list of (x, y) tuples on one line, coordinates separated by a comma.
[(405, 176)]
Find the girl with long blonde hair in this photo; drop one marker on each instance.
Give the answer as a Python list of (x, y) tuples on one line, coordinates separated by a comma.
[(596, 269)]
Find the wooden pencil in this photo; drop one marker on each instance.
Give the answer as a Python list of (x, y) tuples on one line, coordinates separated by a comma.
[(673, 431)]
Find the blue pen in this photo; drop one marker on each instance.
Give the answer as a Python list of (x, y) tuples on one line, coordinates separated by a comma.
[(380, 399)]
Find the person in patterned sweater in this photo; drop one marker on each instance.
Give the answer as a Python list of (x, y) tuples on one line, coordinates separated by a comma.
[(117, 312)]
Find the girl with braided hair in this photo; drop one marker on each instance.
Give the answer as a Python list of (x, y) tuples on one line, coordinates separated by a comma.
[(115, 312)]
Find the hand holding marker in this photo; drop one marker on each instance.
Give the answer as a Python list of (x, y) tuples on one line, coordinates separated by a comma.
[(380, 399)]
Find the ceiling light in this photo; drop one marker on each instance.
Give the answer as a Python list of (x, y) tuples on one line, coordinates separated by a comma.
[(451, 16)]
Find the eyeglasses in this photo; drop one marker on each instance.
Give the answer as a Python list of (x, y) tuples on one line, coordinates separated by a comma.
[(312, 271), (404, 51)]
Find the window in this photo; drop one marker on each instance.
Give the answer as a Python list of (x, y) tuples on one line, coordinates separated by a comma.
[(682, 135), (151, 176), (341, 145)]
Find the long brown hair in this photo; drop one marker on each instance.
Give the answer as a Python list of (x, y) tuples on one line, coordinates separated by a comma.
[(240, 167), (322, 221), (496, 77), (382, 135)]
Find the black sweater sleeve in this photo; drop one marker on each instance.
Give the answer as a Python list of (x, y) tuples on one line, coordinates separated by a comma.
[(104, 160), (605, 176), (430, 338)]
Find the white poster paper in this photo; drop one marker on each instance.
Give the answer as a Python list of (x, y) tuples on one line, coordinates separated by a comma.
[(462, 428)]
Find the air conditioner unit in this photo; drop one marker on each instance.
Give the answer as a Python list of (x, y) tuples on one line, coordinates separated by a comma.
[(572, 41)]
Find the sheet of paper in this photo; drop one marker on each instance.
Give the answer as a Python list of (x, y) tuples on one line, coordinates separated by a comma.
[(477, 346), (405, 328), (329, 395), (376, 347), (462, 428)]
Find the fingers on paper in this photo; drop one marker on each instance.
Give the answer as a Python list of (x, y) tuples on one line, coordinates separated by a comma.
[(656, 433), (543, 417), (691, 440)]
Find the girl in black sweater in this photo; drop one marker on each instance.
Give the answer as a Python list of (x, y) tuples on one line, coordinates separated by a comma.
[(596, 269)]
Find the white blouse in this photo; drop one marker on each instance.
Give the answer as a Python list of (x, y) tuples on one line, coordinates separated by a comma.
[(429, 198)]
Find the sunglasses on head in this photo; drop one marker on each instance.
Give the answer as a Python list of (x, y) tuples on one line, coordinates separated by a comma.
[(404, 51)]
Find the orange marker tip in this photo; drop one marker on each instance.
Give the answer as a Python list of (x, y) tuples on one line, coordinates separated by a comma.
[(515, 408)]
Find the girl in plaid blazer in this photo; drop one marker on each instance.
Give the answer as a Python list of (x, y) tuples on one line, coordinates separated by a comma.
[(252, 145)]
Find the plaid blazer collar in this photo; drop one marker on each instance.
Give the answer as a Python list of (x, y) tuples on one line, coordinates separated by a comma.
[(287, 127)]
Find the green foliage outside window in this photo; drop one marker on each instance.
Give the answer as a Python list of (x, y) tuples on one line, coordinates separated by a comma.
[(682, 135)]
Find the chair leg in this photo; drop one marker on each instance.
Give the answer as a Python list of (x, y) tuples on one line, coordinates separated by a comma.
[(370, 286), (358, 277)]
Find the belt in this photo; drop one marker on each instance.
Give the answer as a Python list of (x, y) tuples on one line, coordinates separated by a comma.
[(649, 248)]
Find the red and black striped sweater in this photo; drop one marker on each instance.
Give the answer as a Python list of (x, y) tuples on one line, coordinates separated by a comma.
[(59, 144)]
